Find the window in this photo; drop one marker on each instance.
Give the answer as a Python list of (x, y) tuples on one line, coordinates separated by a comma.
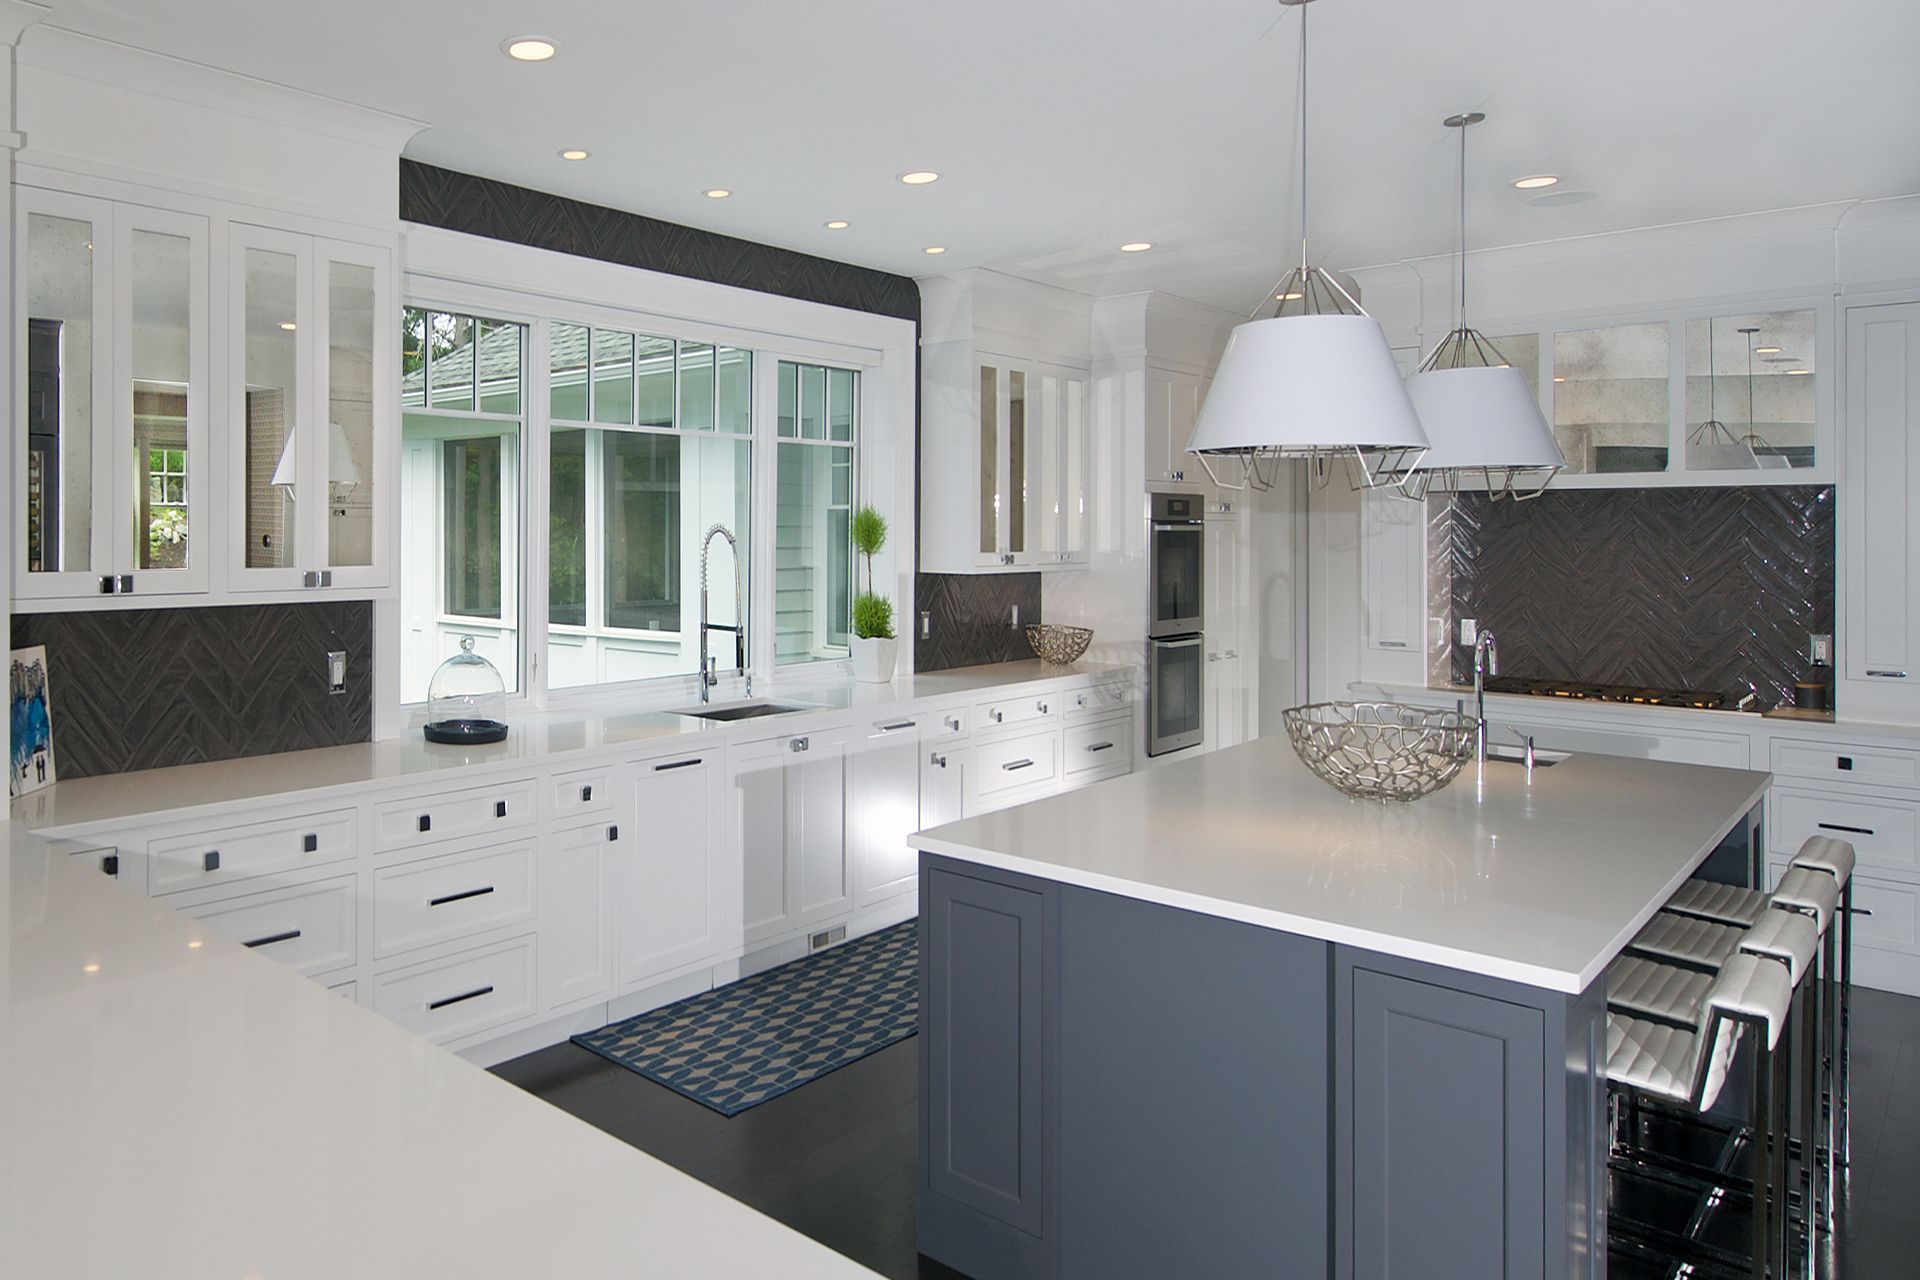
[(650, 448), (160, 450), (461, 394), (813, 511)]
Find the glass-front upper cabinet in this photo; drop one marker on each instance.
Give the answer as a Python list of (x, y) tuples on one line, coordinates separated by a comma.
[(1033, 458), (110, 402), (312, 376)]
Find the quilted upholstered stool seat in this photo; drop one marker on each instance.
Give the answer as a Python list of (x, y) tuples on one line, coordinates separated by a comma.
[(1824, 853), (1687, 940), (1724, 903), (1786, 936), (1811, 893), (1646, 988)]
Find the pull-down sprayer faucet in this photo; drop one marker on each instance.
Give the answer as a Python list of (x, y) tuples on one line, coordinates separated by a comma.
[(1486, 662), (708, 676)]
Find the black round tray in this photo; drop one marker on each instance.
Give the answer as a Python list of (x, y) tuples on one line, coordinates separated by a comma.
[(465, 732)]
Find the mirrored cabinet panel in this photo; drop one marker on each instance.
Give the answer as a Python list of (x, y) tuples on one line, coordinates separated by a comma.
[(1033, 457), (1750, 395), (110, 412), (1610, 392)]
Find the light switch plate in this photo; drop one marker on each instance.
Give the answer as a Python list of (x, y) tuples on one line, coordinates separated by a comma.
[(1469, 631), (337, 671), (1820, 649)]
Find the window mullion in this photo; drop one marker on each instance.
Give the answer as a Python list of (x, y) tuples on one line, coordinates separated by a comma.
[(536, 403)]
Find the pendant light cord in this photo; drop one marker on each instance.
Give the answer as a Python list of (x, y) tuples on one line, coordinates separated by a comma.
[(1303, 147), (1463, 224)]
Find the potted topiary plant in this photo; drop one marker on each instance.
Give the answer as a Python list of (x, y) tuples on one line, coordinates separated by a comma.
[(875, 648)]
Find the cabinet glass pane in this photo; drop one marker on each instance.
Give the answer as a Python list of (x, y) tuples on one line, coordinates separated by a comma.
[(696, 387), (1522, 351), (59, 337), (1750, 395), (840, 409), (567, 373), (567, 528), (813, 402), (272, 406), (789, 407), (1043, 478), (1610, 409), (450, 361), (350, 489), (813, 553), (655, 390), (733, 391), (1016, 461), (612, 376), (161, 334), (989, 460), (413, 358), (1073, 485)]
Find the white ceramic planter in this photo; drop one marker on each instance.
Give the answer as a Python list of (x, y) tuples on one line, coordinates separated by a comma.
[(873, 659)]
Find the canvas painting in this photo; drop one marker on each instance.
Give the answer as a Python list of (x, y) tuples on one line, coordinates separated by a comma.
[(30, 763)]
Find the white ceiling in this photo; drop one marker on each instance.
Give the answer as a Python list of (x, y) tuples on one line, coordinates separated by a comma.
[(1066, 127)]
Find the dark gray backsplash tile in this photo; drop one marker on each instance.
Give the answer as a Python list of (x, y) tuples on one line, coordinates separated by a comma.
[(970, 615), (1696, 588), (147, 688)]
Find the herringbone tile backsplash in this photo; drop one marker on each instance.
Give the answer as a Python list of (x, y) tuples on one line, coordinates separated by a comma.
[(1699, 588), (970, 613), (148, 688)]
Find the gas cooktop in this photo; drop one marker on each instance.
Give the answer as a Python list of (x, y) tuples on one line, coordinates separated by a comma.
[(1586, 692)]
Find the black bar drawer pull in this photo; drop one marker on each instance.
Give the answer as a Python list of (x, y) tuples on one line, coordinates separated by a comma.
[(474, 994), (272, 938), (1100, 746), (586, 795), (1843, 762), (499, 808), (110, 865), (677, 764), (211, 860), (1841, 826), (310, 843), (1017, 764), (426, 822), (462, 896)]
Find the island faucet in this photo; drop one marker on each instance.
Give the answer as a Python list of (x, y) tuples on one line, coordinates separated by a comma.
[(708, 676), (1486, 662)]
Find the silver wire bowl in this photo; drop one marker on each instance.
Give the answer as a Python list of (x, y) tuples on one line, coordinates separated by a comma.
[(1056, 644), (1380, 750)]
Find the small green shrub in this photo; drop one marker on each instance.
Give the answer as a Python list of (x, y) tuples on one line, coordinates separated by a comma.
[(869, 535), (872, 616)]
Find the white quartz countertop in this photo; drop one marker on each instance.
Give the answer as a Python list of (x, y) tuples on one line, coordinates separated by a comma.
[(172, 1105), (1539, 883), (534, 738)]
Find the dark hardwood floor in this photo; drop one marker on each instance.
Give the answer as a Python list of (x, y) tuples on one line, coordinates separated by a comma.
[(835, 1159)]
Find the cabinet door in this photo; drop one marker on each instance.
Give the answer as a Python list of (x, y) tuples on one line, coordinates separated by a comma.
[(1394, 565), (943, 784), (787, 799), (991, 461), (1883, 474), (1076, 459), (672, 870), (270, 393), (355, 388), (1173, 403), (883, 809), (1225, 597), (576, 887)]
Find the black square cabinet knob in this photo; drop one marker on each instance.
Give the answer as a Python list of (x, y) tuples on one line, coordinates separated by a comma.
[(426, 822), (311, 844), (212, 860), (500, 808)]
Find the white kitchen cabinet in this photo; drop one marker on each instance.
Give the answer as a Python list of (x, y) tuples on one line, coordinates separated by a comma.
[(1231, 638), (110, 400), (1173, 405), (944, 767), (787, 799), (310, 928), (577, 896), (1393, 566), (1882, 587), (675, 875), (883, 808), (313, 387)]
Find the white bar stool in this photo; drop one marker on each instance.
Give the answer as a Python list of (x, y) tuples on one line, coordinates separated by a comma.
[(1725, 903), (1835, 858), (1687, 940), (1792, 940)]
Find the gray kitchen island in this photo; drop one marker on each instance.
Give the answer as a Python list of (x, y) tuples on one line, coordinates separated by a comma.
[(1216, 1019)]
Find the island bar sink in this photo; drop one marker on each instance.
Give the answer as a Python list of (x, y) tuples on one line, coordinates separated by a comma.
[(741, 710)]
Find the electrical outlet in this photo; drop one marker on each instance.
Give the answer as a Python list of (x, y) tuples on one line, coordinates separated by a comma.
[(926, 624), (1820, 649), (1469, 631), (1013, 621), (337, 671)]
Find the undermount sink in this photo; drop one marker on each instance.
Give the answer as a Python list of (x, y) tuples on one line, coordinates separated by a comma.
[(1518, 755), (741, 710)]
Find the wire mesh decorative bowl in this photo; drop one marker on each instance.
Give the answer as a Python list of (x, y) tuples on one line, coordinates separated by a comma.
[(1380, 750), (1056, 644)]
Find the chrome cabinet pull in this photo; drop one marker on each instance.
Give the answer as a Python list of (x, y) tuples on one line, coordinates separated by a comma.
[(1100, 746), (953, 723), (995, 716), (1042, 706), (688, 763), (272, 938), (937, 759), (1888, 675), (459, 897), (1017, 764), (798, 744), (1841, 826), (474, 994)]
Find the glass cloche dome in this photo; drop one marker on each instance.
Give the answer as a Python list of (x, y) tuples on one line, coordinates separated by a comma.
[(466, 699)]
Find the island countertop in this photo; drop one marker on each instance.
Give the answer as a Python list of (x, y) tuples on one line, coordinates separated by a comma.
[(1540, 882)]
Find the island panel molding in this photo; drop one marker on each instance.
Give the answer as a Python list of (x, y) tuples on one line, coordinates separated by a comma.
[(148, 688), (1696, 588)]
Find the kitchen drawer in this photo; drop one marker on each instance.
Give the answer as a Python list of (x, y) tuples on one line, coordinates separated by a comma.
[(1098, 749), (946, 722), (426, 818), (461, 995), (202, 859), (1840, 762), (439, 899), (1884, 832), (309, 929), (1007, 712), (582, 793), (1025, 761), (1108, 695), (348, 990)]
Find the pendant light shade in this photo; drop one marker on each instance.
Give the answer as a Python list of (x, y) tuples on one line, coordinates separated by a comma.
[(1481, 415), (1316, 381)]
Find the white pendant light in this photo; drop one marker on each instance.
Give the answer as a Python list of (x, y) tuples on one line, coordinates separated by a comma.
[(1315, 380), (283, 471), (1479, 411), (1712, 446)]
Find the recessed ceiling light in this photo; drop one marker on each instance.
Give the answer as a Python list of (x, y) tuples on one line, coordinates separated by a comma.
[(1136, 246), (194, 945), (1766, 351), (288, 325), (717, 193), (573, 153), (1286, 297), (1560, 377), (90, 968), (936, 248), (1796, 373), (838, 224), (529, 48), (1536, 181), (919, 177)]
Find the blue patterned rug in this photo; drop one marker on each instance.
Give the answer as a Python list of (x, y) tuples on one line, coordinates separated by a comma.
[(736, 1046)]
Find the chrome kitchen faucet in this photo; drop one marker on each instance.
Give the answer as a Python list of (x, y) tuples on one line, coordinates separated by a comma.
[(708, 676), (1486, 662)]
